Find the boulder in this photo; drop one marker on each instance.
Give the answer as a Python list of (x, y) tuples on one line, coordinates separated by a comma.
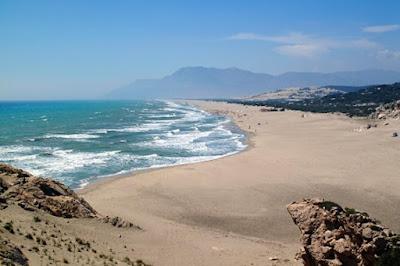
[(331, 235)]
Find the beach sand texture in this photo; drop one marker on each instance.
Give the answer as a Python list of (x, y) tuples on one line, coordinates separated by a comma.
[(232, 211)]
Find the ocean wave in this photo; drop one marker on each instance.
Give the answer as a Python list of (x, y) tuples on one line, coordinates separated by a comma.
[(161, 115), (23, 153), (98, 131), (170, 134), (53, 161), (183, 141), (82, 136)]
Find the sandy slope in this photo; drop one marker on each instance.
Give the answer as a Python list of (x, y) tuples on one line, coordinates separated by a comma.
[(232, 211)]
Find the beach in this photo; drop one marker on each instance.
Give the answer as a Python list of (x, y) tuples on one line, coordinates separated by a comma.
[(232, 211)]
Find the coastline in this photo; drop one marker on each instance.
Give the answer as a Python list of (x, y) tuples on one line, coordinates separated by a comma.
[(109, 178), (130, 173), (232, 210)]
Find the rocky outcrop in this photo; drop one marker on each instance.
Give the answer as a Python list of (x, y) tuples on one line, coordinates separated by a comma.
[(389, 110), (119, 222), (31, 193), (332, 235), (272, 109), (43, 198), (10, 254)]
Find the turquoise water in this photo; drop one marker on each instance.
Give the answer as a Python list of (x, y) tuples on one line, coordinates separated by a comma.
[(77, 142)]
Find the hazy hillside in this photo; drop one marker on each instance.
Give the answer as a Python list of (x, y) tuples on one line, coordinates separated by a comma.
[(196, 82), (202, 82)]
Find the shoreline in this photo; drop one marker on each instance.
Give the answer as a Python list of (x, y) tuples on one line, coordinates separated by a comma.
[(131, 173), (233, 210)]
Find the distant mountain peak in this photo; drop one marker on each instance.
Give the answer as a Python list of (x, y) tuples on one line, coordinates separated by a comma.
[(210, 82)]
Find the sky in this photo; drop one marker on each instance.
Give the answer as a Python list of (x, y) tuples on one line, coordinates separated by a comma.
[(83, 49)]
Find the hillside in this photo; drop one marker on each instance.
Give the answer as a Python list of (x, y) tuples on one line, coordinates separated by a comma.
[(43, 222), (294, 94), (360, 103), (202, 82)]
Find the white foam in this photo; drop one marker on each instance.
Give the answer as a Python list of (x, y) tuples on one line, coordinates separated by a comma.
[(184, 141), (172, 104), (57, 162), (98, 131), (14, 149), (162, 115), (71, 136), (24, 157)]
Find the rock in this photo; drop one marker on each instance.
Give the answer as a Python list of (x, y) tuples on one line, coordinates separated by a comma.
[(395, 134), (32, 193), (3, 202), (272, 109), (342, 247), (389, 110), (367, 233), (371, 126), (332, 235), (10, 254), (381, 116), (387, 232), (119, 222), (26, 206)]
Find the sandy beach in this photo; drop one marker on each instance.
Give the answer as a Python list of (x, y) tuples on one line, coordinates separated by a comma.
[(232, 211)]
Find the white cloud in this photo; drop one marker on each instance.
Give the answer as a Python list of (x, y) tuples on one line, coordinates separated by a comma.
[(303, 50), (363, 43), (299, 44), (381, 28), (389, 54), (289, 38)]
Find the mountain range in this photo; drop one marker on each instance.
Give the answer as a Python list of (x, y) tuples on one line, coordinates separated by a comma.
[(205, 82)]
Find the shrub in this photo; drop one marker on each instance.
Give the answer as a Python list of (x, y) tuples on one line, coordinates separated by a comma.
[(9, 227)]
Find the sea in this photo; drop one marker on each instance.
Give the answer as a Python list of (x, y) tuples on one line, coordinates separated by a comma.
[(78, 142)]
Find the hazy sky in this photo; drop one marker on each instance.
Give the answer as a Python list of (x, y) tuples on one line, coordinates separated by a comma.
[(82, 49)]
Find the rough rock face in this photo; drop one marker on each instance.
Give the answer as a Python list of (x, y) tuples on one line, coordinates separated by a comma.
[(30, 192), (335, 236), (11, 254), (389, 110)]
